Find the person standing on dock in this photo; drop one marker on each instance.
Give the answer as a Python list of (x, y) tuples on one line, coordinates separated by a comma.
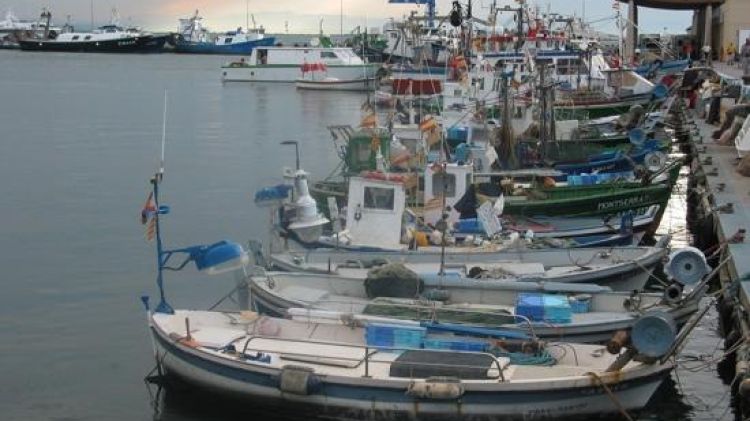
[(745, 54)]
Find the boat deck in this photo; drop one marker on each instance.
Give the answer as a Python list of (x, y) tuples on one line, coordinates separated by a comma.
[(333, 351)]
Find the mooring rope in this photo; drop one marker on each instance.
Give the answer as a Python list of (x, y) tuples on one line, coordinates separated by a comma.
[(611, 395)]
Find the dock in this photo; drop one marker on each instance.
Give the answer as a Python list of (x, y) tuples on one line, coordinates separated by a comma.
[(719, 217)]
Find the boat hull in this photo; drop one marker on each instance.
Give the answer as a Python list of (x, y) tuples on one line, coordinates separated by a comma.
[(599, 331), (289, 73), (599, 109), (364, 398), (146, 44), (622, 269), (357, 85), (242, 48)]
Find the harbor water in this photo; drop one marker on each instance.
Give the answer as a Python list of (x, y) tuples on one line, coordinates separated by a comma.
[(79, 138)]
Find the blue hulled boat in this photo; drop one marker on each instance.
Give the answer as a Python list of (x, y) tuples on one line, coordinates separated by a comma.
[(193, 38)]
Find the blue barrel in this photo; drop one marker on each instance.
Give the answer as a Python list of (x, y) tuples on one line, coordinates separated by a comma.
[(637, 136), (654, 333)]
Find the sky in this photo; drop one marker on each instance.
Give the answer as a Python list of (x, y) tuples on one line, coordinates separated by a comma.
[(303, 16)]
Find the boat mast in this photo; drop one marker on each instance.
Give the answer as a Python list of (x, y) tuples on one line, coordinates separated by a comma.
[(92, 15)]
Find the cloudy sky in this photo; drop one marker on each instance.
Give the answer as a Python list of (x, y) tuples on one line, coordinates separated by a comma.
[(303, 16)]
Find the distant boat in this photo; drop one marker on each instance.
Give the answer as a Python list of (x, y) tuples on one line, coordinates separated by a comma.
[(284, 64), (193, 38), (105, 39)]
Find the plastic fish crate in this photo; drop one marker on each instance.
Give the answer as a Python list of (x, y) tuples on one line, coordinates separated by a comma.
[(530, 305), (580, 305), (548, 308), (394, 336), (455, 345), (557, 309)]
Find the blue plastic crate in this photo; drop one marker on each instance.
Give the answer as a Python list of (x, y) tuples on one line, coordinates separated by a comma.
[(548, 308), (557, 309), (394, 336), (579, 305), (455, 345), (531, 306)]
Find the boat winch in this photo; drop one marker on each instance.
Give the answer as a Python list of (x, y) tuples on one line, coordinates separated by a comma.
[(687, 266)]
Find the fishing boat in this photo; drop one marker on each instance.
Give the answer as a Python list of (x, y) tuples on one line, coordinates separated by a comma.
[(283, 64), (193, 38), (111, 38), (336, 369), (315, 77), (587, 313), (370, 367)]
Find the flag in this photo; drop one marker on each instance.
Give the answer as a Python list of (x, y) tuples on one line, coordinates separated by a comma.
[(370, 120), (147, 213), (148, 208), (427, 124)]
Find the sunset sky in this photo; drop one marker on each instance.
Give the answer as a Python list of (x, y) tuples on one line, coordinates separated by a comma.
[(303, 15)]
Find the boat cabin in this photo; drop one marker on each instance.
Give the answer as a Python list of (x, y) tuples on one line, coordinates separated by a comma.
[(451, 180), (299, 55), (375, 209)]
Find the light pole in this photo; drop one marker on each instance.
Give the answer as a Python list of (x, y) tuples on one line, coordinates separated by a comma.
[(296, 149)]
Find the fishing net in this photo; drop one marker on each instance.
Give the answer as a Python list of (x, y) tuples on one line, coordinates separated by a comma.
[(392, 280)]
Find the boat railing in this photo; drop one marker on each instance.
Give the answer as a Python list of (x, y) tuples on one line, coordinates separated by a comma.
[(369, 351)]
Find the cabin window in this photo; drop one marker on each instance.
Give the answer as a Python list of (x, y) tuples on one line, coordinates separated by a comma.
[(87, 37), (75, 37), (379, 198), (328, 54), (444, 182), (363, 152), (227, 40)]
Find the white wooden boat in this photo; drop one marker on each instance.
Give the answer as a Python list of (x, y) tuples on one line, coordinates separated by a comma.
[(330, 367), (334, 84), (599, 312), (621, 268)]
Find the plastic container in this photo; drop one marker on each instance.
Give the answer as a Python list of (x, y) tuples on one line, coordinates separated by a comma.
[(548, 308), (455, 345), (580, 304), (557, 309), (531, 306), (382, 335)]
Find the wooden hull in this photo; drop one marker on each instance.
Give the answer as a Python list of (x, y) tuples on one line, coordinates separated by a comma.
[(289, 73), (597, 109), (348, 393), (356, 85)]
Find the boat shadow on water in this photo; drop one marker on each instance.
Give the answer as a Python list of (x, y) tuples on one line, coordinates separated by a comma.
[(175, 400)]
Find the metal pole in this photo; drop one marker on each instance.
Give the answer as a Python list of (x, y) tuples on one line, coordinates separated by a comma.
[(341, 20)]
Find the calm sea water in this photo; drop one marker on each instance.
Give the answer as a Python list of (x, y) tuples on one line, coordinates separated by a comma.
[(79, 138)]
